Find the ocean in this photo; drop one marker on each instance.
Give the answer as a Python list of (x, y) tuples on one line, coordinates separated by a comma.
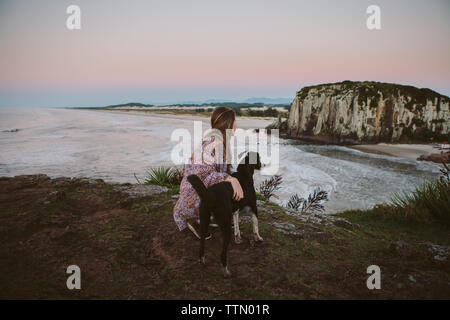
[(114, 146)]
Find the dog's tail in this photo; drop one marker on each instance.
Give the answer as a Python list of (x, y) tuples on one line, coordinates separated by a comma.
[(203, 192)]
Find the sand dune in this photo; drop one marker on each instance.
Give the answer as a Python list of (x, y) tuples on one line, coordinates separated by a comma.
[(242, 122)]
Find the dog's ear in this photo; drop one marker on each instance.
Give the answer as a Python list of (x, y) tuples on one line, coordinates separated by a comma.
[(258, 162), (254, 160), (244, 160), (244, 167), (242, 153)]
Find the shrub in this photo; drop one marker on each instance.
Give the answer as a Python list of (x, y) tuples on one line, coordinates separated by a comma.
[(165, 176), (295, 203), (269, 186), (313, 203), (238, 111), (429, 201), (445, 172), (269, 112)]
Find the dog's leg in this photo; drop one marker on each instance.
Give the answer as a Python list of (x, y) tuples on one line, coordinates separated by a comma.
[(225, 227), (256, 235), (237, 232), (204, 223), (226, 242)]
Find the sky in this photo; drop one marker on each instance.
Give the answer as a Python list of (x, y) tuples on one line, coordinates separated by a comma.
[(172, 51)]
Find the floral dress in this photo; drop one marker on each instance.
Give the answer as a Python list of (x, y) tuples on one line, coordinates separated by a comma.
[(207, 168)]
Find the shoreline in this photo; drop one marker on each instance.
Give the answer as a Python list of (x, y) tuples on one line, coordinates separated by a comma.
[(243, 122), (399, 150)]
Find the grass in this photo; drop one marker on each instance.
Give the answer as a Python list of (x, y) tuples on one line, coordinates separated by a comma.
[(426, 202), (384, 221), (423, 214), (165, 176), (429, 201), (137, 252)]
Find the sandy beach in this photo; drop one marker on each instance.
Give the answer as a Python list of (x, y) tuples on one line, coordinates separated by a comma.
[(407, 151), (242, 122)]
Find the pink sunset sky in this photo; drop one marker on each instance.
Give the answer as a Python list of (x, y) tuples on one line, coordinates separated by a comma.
[(177, 51)]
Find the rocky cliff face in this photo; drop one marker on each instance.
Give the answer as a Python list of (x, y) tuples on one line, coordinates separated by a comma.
[(354, 112)]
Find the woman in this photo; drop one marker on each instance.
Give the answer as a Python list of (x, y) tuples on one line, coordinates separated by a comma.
[(211, 163)]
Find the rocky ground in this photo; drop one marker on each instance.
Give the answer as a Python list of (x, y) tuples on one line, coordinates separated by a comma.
[(442, 157), (127, 246)]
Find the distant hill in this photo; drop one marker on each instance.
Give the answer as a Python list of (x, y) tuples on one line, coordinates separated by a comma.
[(212, 101), (269, 100), (265, 101), (251, 102)]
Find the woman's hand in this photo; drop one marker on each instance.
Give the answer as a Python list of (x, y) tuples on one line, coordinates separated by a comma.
[(238, 194)]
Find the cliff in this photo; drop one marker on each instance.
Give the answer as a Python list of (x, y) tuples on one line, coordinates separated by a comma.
[(355, 112)]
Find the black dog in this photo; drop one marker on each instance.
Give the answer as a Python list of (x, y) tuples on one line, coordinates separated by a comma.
[(218, 201)]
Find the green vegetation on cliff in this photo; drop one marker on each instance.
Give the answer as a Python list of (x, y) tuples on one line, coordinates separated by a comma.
[(368, 89)]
